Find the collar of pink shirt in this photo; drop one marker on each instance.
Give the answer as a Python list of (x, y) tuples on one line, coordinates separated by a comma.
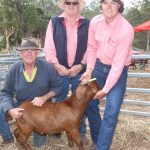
[(114, 22), (63, 15)]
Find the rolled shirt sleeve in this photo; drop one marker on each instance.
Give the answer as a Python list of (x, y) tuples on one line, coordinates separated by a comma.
[(123, 51)]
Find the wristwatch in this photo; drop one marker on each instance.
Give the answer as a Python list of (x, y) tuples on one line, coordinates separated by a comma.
[(83, 66)]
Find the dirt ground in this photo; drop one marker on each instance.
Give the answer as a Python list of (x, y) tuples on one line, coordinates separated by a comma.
[(132, 132)]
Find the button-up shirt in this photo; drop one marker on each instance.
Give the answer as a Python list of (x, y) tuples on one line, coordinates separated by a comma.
[(111, 44)]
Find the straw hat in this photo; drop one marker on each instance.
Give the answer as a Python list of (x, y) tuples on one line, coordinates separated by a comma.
[(28, 43), (60, 4)]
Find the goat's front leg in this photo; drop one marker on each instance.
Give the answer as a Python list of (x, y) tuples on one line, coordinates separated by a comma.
[(22, 139), (77, 139), (70, 140)]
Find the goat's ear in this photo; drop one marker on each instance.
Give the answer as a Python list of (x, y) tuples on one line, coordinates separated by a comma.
[(80, 92)]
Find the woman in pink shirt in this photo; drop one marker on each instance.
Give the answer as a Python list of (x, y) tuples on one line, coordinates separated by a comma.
[(108, 57), (65, 45)]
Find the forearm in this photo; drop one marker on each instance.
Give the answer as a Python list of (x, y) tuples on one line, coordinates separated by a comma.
[(6, 104), (49, 95), (6, 101), (39, 101)]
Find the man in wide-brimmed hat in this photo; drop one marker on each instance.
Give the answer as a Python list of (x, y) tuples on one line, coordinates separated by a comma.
[(28, 43), (29, 79), (65, 46)]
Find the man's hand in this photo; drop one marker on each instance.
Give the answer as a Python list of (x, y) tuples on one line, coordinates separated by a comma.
[(62, 71), (15, 112), (39, 101), (74, 70), (86, 76), (100, 95)]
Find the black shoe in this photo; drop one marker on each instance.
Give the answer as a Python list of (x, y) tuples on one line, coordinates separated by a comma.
[(56, 136)]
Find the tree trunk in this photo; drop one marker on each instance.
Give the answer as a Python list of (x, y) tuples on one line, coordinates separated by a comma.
[(7, 43), (8, 33), (148, 38)]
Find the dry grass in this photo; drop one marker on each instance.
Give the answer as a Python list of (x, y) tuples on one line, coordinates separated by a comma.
[(132, 132)]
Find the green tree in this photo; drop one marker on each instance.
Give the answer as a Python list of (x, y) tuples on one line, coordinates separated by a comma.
[(8, 20), (20, 19), (138, 14), (35, 22), (91, 10), (34, 16)]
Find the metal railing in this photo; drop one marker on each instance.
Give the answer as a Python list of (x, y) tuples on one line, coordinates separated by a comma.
[(6, 62)]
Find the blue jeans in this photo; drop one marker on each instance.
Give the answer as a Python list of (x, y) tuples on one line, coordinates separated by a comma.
[(6, 133), (104, 129), (74, 81)]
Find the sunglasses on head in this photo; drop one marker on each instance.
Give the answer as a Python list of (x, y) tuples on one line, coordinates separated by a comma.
[(72, 3)]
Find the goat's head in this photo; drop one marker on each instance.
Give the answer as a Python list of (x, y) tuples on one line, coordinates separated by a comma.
[(87, 90)]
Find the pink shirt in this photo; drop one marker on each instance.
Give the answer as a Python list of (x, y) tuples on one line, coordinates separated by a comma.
[(71, 31), (111, 44)]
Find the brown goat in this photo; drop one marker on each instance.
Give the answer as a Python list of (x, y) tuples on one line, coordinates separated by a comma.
[(56, 117)]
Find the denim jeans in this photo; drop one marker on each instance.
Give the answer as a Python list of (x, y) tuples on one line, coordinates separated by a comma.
[(6, 133), (74, 81), (104, 128)]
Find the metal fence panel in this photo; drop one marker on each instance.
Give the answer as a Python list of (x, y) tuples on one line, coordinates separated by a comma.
[(6, 62)]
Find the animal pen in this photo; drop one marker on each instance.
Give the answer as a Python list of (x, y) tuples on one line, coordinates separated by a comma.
[(139, 63), (140, 71)]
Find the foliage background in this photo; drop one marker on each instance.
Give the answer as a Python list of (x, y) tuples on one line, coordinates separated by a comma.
[(22, 18)]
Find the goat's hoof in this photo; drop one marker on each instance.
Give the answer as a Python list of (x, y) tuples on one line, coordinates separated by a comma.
[(71, 145)]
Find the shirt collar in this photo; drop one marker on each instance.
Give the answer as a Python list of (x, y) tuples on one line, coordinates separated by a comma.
[(64, 16), (22, 65), (114, 22)]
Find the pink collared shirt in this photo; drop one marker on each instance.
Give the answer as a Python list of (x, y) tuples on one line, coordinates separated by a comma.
[(111, 44), (71, 31)]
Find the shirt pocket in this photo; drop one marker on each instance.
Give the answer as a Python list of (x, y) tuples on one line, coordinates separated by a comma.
[(99, 37), (110, 48)]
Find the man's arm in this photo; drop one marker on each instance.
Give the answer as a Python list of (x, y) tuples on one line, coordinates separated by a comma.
[(7, 92), (55, 89), (39, 101)]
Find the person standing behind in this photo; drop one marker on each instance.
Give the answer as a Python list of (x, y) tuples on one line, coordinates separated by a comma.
[(108, 57), (29, 79), (66, 44)]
